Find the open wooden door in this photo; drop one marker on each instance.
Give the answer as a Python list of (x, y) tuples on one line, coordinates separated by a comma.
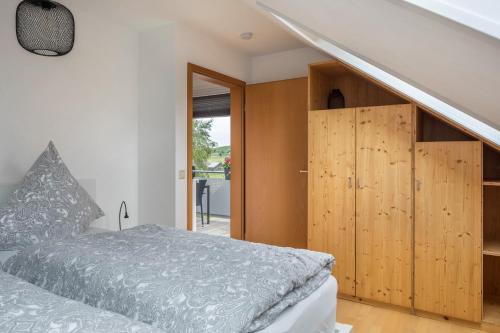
[(276, 163)]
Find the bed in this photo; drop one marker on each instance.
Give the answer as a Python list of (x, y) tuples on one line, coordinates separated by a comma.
[(316, 313), (26, 308), (180, 281), (174, 280)]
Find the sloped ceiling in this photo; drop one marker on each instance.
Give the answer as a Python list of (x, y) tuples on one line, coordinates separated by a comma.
[(481, 15), (454, 63)]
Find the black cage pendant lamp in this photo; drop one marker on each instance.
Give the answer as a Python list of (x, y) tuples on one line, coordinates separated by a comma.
[(45, 27)]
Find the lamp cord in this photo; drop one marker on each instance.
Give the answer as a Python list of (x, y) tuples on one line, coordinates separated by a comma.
[(124, 204)]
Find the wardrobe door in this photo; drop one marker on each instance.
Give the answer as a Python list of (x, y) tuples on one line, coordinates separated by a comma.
[(448, 228), (275, 153), (331, 212), (384, 197)]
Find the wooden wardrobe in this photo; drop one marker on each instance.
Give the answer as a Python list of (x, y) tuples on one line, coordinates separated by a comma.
[(398, 196), (360, 203)]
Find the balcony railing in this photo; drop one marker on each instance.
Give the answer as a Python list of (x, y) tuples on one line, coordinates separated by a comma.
[(219, 191), (208, 171), (208, 174)]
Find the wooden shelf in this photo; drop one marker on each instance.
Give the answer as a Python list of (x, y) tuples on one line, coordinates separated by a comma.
[(491, 183), (491, 248), (433, 129), (332, 68), (491, 163), (491, 310), (358, 91)]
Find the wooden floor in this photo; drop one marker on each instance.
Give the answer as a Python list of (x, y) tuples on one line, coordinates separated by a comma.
[(371, 319)]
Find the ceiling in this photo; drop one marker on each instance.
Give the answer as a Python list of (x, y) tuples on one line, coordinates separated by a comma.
[(202, 87), (224, 20)]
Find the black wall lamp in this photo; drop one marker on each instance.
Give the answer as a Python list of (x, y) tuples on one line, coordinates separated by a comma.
[(123, 205)]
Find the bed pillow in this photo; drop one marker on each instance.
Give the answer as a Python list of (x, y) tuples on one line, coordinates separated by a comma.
[(49, 204)]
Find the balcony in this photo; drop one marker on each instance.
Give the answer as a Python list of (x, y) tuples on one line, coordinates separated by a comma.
[(211, 191)]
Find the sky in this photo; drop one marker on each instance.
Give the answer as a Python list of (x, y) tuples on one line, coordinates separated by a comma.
[(221, 131)]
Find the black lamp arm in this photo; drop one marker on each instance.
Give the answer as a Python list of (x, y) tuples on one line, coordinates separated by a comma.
[(123, 205)]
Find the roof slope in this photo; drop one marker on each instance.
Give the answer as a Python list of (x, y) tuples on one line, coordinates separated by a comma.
[(454, 68), (483, 15)]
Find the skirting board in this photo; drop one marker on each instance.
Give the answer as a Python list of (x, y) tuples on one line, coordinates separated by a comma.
[(343, 328)]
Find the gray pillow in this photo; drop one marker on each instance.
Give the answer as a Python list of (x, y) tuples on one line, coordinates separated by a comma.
[(49, 204)]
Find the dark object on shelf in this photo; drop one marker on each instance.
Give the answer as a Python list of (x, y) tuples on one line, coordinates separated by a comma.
[(45, 27), (124, 204), (336, 100)]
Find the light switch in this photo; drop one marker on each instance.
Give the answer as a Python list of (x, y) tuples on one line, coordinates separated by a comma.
[(182, 174)]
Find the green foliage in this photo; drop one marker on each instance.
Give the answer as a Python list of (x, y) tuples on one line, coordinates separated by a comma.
[(203, 146), (218, 155), (222, 151)]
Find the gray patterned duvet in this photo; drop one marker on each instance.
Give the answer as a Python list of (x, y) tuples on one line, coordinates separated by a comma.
[(26, 308), (175, 280)]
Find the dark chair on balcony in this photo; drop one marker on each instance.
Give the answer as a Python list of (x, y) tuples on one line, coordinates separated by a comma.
[(201, 186)]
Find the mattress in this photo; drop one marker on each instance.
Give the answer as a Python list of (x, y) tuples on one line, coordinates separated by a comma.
[(315, 314)]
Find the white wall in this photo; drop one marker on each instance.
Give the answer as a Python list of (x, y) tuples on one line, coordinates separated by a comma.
[(198, 48), (116, 107), (157, 126), (85, 101), (285, 65)]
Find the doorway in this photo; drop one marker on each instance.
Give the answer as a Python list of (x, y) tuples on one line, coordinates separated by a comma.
[(215, 153)]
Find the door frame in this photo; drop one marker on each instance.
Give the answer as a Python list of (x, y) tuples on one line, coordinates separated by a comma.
[(237, 92)]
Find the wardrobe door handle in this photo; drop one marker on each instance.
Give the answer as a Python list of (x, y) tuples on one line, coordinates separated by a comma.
[(418, 184), (303, 171), (349, 181)]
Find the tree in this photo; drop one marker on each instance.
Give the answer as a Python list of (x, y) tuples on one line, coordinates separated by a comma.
[(203, 146)]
